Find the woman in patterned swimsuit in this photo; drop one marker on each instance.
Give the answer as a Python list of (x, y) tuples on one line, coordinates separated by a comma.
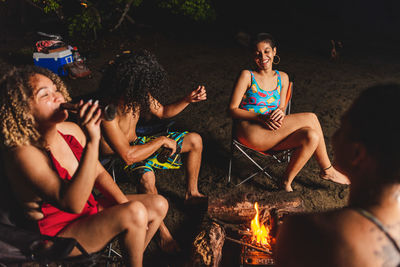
[(258, 105), (52, 167)]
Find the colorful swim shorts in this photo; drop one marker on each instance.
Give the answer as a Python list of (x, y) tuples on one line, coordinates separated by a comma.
[(173, 162)]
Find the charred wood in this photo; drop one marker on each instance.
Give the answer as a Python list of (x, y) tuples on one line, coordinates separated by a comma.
[(239, 207)]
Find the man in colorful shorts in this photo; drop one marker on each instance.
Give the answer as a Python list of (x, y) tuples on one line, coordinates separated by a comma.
[(130, 84)]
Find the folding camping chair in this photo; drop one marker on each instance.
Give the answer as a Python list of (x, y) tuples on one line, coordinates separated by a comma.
[(278, 156), (19, 246)]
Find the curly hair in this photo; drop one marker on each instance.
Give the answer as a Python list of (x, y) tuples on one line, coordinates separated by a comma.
[(18, 126), (130, 80)]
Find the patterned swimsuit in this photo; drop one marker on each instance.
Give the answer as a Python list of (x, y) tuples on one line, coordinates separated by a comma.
[(260, 101)]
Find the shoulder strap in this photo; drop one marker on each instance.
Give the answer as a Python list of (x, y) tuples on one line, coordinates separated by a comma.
[(253, 80), (379, 224), (252, 75), (279, 78), (74, 144)]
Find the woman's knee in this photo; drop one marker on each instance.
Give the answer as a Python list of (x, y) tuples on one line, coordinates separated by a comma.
[(312, 119), (310, 136), (160, 205), (134, 213)]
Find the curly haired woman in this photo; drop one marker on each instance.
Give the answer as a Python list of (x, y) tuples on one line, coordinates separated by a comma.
[(132, 83), (52, 167)]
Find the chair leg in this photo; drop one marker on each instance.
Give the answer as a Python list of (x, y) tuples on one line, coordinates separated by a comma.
[(113, 172), (248, 178), (262, 170), (255, 163), (230, 162), (230, 170), (111, 168), (110, 252)]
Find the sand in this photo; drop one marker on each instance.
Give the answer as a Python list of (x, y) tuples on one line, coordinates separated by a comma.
[(321, 86)]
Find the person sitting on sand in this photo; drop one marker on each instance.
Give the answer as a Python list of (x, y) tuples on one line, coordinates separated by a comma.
[(258, 107), (132, 83), (52, 167), (367, 232)]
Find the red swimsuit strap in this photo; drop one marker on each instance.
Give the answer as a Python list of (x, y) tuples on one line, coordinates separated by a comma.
[(76, 148)]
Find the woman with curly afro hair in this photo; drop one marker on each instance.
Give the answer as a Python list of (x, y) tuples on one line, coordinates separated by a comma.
[(52, 166), (133, 83)]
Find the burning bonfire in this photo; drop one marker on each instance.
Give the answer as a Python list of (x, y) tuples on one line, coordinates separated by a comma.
[(259, 232), (258, 240)]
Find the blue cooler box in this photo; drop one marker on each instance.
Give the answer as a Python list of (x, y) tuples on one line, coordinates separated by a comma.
[(54, 61)]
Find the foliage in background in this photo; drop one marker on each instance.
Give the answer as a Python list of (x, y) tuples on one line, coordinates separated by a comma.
[(49, 6), (198, 10), (86, 18), (85, 22)]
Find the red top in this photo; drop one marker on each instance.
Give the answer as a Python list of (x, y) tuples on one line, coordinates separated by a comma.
[(55, 219)]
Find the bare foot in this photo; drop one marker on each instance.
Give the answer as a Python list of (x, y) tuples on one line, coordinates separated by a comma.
[(334, 175), (286, 186)]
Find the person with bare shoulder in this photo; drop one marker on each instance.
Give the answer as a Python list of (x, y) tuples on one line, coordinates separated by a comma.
[(367, 232), (132, 84), (52, 167), (258, 107)]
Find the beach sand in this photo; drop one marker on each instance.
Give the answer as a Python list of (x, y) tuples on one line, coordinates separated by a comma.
[(321, 86)]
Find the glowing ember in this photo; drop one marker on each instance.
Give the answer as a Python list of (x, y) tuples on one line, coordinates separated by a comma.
[(260, 233)]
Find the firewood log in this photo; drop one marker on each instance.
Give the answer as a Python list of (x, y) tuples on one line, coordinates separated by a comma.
[(207, 246), (239, 207)]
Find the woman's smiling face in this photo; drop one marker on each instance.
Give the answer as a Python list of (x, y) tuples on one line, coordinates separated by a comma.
[(45, 100), (264, 55)]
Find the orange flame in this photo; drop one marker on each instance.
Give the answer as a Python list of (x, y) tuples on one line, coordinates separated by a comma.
[(259, 231)]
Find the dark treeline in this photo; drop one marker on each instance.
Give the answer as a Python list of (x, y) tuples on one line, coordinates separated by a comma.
[(333, 18)]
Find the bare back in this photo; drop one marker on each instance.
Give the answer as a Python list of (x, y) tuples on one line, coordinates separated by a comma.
[(339, 238), (123, 127)]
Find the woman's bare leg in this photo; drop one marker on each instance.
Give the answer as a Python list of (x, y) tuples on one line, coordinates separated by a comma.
[(193, 146), (147, 185), (328, 172), (157, 207), (304, 142), (301, 132), (132, 219)]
